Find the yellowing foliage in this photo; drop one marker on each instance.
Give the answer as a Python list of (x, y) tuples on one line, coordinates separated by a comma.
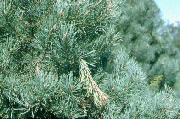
[(154, 84)]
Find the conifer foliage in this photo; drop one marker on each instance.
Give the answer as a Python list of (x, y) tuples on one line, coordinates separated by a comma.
[(67, 59)]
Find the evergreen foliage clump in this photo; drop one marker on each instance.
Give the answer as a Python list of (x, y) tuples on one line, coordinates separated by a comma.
[(68, 59), (154, 84), (148, 40), (174, 51), (139, 26)]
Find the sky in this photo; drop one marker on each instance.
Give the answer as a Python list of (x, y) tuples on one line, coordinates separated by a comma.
[(170, 10)]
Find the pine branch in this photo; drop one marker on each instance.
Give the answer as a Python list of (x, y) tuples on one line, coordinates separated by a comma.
[(100, 98)]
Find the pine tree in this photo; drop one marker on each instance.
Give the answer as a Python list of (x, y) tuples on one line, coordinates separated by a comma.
[(174, 51), (68, 59), (139, 25)]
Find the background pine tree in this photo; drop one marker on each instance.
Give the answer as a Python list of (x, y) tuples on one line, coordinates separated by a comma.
[(149, 41)]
